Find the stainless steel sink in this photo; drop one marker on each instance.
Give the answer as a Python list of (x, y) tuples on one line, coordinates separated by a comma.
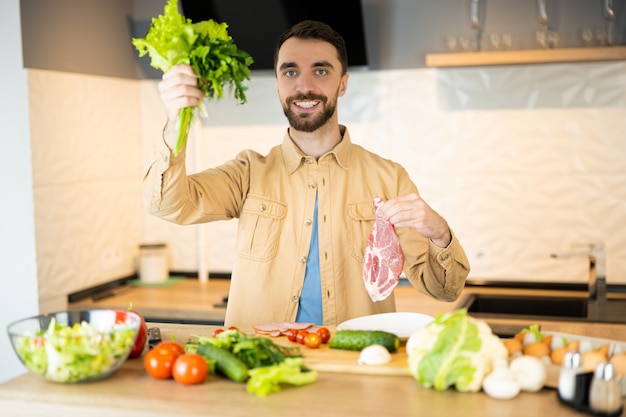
[(535, 307)]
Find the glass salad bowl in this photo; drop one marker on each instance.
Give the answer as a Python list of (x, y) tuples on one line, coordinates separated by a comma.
[(75, 346)]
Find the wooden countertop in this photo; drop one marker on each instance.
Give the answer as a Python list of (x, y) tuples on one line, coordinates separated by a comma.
[(131, 392), (187, 300)]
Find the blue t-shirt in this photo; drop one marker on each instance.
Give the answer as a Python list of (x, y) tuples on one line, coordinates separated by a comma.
[(310, 308)]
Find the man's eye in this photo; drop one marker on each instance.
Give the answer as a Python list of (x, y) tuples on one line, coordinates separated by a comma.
[(290, 73), (320, 72)]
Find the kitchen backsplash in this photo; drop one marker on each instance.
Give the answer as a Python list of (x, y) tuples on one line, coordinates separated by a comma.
[(522, 161)]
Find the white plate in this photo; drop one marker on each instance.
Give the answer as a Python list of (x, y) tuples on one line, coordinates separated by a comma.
[(402, 325)]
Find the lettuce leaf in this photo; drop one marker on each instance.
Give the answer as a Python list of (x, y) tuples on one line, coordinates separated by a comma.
[(207, 47), (268, 379)]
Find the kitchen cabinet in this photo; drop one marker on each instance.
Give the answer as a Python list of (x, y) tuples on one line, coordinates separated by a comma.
[(527, 56)]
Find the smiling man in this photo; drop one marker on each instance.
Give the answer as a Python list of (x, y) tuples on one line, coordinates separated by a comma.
[(305, 209)]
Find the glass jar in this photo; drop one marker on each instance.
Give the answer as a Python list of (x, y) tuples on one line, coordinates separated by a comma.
[(153, 263)]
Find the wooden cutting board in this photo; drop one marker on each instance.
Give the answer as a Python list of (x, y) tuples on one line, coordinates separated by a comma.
[(325, 359)]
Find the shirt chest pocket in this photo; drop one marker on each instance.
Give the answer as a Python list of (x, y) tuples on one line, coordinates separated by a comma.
[(362, 219), (260, 225)]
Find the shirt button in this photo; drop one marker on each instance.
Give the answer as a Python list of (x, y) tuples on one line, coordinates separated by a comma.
[(445, 256), (308, 222), (294, 298), (303, 259), (311, 184), (262, 207), (309, 160)]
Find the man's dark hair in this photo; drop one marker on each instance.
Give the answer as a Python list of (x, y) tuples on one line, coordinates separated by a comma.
[(312, 29)]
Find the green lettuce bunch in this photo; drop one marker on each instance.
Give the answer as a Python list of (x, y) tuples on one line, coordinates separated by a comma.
[(207, 47), (454, 350)]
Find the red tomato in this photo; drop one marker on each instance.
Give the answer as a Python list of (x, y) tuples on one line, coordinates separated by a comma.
[(159, 362), (324, 334), (233, 328), (142, 338), (292, 335), (217, 331), (120, 316), (190, 368), (312, 340), (300, 336), (175, 347)]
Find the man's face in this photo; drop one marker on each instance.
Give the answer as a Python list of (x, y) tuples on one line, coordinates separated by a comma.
[(309, 81)]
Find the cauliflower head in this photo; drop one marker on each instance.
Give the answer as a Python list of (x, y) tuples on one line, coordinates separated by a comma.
[(454, 350)]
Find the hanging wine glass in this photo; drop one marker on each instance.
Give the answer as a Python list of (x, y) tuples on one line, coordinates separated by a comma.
[(545, 36), (477, 22), (610, 11)]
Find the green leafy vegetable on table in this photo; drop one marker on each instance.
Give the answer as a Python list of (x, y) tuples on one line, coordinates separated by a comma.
[(268, 379), (254, 351), (269, 365), (207, 47)]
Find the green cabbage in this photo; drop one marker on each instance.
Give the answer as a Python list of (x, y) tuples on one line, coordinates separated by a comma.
[(454, 350)]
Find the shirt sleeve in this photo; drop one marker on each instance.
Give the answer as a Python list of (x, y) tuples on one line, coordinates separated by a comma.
[(444, 272), (163, 170), (211, 194)]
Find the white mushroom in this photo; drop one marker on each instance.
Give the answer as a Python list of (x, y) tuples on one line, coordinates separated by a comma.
[(374, 355), (530, 372), (501, 384)]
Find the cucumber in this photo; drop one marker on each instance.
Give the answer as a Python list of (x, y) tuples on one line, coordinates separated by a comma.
[(225, 362), (360, 339)]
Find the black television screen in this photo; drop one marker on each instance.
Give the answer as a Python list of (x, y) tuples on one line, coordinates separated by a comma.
[(255, 25)]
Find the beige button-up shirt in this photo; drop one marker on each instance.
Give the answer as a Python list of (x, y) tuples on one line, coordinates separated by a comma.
[(273, 197)]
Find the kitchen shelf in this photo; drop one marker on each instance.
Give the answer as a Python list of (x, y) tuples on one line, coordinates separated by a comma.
[(526, 56)]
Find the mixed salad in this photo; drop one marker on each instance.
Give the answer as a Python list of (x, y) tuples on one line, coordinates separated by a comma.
[(75, 353)]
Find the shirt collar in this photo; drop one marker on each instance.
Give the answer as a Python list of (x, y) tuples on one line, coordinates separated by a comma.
[(294, 156)]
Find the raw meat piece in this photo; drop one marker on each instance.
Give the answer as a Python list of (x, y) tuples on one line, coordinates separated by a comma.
[(384, 260), (275, 329)]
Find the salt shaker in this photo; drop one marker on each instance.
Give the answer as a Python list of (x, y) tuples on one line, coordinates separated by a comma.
[(572, 365), (605, 396)]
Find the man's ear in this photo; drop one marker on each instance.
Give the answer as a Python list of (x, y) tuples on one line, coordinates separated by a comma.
[(343, 84)]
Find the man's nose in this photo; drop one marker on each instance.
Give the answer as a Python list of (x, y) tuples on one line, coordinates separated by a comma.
[(305, 83)]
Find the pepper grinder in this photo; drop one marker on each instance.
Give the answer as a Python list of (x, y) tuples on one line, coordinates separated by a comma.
[(605, 397)]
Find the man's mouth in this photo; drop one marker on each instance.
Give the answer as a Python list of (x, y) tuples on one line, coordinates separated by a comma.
[(305, 104)]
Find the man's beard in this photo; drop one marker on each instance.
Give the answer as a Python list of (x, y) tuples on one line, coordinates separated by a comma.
[(309, 122)]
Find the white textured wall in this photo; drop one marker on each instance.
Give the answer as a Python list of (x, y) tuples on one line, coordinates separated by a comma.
[(86, 179), (522, 161)]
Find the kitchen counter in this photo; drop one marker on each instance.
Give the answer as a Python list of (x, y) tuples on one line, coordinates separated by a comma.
[(189, 300), (192, 301), (131, 392)]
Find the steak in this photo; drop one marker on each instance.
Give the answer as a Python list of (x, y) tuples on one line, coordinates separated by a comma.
[(384, 259)]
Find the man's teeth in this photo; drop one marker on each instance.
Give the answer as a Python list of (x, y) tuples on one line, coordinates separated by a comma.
[(306, 104)]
